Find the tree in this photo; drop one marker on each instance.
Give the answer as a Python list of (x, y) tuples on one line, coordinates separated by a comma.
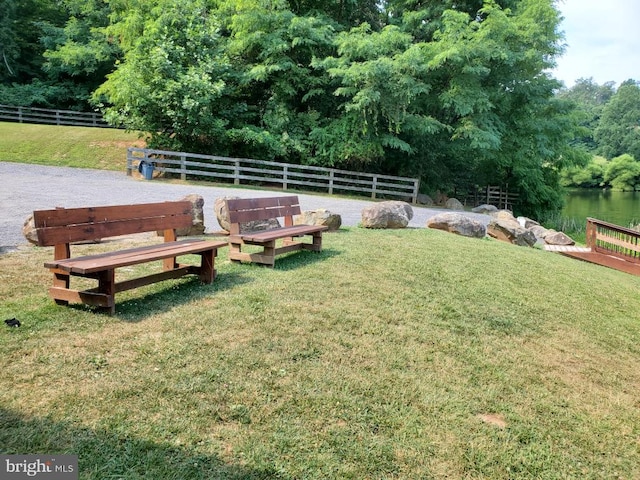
[(590, 99), (455, 92), (54, 53), (619, 129), (623, 173)]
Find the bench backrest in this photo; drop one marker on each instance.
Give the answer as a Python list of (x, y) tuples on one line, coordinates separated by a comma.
[(242, 210), (69, 225)]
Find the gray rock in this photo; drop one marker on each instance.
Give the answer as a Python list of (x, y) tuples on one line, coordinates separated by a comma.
[(527, 222), (390, 214), (197, 212), (457, 223), (29, 230), (424, 199), (511, 232), (454, 204), (220, 209), (558, 238), (485, 208), (320, 216)]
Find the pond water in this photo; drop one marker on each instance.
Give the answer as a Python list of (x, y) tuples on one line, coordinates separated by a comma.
[(621, 208)]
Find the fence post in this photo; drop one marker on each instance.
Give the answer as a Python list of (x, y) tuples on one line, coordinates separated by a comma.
[(331, 177), (236, 173), (416, 188), (284, 177), (183, 167), (373, 186), (129, 161), (57, 117)]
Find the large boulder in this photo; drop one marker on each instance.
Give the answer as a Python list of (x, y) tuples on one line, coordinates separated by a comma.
[(558, 238), (526, 222), (454, 204), (457, 223), (485, 208), (320, 216), (29, 230), (197, 212), (510, 231), (424, 199), (220, 209), (390, 214)]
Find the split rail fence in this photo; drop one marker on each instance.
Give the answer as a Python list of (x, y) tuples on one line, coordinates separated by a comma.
[(52, 117), (282, 175)]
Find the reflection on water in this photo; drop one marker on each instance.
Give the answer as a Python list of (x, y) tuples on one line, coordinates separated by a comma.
[(621, 208)]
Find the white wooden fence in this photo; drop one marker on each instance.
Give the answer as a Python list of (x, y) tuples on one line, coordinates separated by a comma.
[(282, 175), (53, 117)]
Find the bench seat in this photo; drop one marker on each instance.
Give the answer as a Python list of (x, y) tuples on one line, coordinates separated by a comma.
[(105, 261)]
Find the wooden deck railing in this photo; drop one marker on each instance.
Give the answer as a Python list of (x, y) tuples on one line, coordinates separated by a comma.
[(610, 239)]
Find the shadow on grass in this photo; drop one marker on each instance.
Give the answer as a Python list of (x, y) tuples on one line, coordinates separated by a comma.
[(105, 454), (298, 259), (166, 295)]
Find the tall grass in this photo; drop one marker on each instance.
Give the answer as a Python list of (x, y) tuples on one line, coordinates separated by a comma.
[(572, 226), (391, 354)]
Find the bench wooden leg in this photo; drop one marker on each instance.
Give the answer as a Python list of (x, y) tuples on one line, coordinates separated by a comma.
[(107, 286), (207, 266), (61, 280)]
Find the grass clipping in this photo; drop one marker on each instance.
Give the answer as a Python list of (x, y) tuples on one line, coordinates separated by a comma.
[(391, 354)]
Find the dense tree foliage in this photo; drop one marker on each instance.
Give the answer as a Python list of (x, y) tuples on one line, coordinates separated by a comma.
[(618, 131), (590, 99), (612, 118), (456, 92)]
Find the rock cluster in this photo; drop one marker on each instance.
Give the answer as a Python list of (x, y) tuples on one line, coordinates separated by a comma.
[(502, 226), (523, 231)]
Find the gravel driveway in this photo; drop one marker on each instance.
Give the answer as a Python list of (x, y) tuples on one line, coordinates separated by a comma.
[(25, 188)]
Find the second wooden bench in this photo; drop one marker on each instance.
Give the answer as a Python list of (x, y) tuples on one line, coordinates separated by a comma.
[(274, 241)]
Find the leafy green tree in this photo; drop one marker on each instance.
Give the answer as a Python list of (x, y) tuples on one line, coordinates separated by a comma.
[(54, 53), (590, 176), (619, 129), (590, 99), (623, 173)]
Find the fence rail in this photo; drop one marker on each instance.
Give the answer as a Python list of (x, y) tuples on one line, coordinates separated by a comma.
[(501, 197), (284, 175), (52, 117), (610, 239)]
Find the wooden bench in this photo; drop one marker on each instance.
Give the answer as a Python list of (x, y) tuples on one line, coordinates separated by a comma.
[(61, 227), (274, 241)]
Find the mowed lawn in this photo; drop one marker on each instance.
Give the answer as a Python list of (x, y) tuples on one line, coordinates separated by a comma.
[(82, 147), (407, 354)]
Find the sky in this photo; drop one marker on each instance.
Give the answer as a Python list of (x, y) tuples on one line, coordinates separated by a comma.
[(603, 41)]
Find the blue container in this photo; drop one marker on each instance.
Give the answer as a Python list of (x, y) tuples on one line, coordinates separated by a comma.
[(146, 169)]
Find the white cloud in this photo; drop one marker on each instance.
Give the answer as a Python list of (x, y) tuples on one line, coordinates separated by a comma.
[(603, 41)]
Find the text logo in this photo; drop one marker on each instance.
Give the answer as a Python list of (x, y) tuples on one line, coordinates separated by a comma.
[(39, 467)]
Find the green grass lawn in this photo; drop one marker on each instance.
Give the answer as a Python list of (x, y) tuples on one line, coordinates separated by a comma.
[(408, 354), (83, 147)]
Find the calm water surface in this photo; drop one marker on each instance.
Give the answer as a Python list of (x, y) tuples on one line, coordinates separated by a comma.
[(621, 208)]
